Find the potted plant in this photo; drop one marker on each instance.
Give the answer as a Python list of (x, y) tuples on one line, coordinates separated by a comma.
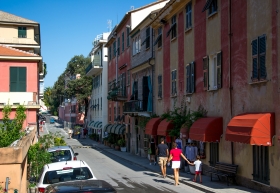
[(121, 143), (32, 187)]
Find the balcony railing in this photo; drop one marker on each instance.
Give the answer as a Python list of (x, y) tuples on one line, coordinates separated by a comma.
[(135, 106), (89, 67)]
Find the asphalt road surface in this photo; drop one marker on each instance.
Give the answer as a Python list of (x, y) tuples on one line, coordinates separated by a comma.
[(122, 175)]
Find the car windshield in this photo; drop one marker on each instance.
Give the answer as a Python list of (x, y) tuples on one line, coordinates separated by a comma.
[(60, 155), (67, 174)]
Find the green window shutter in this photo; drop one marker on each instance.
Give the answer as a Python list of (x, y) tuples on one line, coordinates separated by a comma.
[(255, 60), (219, 70), (192, 73), (188, 76), (262, 51), (22, 79), (13, 79), (205, 73)]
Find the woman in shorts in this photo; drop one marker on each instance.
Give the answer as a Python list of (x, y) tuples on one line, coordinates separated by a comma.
[(175, 154)]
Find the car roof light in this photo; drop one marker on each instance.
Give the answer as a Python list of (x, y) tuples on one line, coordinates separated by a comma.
[(67, 168)]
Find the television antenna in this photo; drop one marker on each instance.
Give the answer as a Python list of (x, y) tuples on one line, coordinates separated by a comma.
[(109, 22)]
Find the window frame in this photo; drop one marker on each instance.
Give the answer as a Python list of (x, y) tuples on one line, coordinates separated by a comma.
[(189, 15), (261, 171), (22, 32), (127, 37), (122, 41), (17, 84), (160, 86), (174, 82), (213, 7), (114, 48), (190, 78), (118, 46), (147, 40)]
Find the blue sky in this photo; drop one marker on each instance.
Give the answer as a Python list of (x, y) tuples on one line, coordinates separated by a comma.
[(68, 27)]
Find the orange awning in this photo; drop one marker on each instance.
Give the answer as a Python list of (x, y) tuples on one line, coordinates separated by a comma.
[(184, 134), (152, 125), (207, 129), (253, 128), (164, 127)]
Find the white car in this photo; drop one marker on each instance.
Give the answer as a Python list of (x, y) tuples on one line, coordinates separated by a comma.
[(62, 172)]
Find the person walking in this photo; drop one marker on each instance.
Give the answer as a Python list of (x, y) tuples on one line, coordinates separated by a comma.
[(162, 153), (175, 154), (197, 165), (70, 133), (153, 152)]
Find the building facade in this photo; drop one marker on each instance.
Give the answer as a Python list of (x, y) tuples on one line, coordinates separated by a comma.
[(20, 65), (223, 56)]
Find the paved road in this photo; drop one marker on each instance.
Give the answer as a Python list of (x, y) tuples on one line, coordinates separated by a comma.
[(125, 176)]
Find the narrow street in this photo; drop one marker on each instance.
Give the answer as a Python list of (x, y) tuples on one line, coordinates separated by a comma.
[(122, 175)]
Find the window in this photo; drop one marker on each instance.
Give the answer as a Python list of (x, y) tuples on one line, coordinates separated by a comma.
[(127, 37), (173, 86), (22, 32), (128, 77), (214, 153), (118, 50), (211, 5), (114, 48), (159, 86), (136, 45), (261, 164), (212, 72), (258, 59), (190, 79), (17, 79), (172, 28), (189, 15), (158, 41), (123, 41), (110, 114), (147, 39)]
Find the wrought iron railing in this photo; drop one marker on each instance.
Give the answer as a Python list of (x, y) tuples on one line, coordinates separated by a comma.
[(135, 106)]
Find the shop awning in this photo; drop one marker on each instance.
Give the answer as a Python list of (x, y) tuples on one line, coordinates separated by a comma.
[(105, 127), (152, 125), (100, 125), (184, 133), (114, 128), (207, 129), (164, 127), (91, 124), (96, 123), (120, 129), (108, 129), (252, 128)]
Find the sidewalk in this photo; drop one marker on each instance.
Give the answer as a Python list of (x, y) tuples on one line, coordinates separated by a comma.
[(206, 186)]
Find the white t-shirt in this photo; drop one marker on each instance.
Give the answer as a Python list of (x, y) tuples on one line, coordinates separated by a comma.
[(197, 165)]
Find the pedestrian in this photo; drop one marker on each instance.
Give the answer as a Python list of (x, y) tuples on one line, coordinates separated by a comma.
[(79, 133), (85, 133), (175, 154), (162, 153), (70, 133), (197, 165), (153, 152)]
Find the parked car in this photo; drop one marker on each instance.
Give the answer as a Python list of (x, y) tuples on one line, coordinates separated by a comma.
[(62, 172), (82, 186), (52, 120), (62, 153)]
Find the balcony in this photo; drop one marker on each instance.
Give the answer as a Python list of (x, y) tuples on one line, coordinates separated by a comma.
[(94, 67), (135, 106), (28, 99), (117, 92)]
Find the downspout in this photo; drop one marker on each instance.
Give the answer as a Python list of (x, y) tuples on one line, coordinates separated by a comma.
[(152, 76), (230, 85)]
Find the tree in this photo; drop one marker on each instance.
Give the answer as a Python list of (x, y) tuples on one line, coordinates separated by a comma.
[(47, 97)]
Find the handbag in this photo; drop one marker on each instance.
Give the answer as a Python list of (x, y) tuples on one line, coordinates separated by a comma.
[(149, 151)]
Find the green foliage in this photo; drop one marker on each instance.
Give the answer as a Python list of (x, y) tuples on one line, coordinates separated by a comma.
[(32, 185), (180, 117), (11, 130), (121, 142), (38, 155), (111, 138)]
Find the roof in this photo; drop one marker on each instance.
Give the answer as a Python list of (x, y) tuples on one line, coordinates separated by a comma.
[(58, 147), (7, 17), (9, 51), (60, 165)]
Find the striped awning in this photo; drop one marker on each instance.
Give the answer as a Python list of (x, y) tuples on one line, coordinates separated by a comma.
[(106, 128), (114, 128), (91, 124), (120, 129), (109, 128), (100, 125)]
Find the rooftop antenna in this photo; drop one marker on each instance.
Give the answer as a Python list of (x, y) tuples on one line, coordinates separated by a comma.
[(109, 22)]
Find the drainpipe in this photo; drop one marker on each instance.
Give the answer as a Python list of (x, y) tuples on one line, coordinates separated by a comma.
[(152, 65), (230, 85)]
